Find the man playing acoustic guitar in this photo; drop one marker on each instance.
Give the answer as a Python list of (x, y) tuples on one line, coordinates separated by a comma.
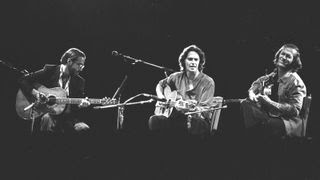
[(187, 90), (281, 117), (269, 119), (65, 77)]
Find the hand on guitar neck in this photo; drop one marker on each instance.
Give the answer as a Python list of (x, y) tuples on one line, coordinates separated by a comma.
[(253, 96), (265, 93), (84, 103), (261, 99)]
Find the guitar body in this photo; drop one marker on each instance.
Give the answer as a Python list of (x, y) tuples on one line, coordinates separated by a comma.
[(174, 100), (38, 109), (163, 108)]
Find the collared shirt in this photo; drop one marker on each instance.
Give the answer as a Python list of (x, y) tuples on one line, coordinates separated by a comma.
[(291, 91), (201, 89)]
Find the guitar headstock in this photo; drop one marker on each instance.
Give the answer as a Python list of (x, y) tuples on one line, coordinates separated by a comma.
[(108, 101)]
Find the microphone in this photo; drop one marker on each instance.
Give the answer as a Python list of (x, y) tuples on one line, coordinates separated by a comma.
[(155, 97), (116, 53), (125, 57)]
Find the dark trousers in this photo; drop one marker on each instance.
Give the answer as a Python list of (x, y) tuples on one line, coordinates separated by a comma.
[(179, 123), (255, 119), (263, 145)]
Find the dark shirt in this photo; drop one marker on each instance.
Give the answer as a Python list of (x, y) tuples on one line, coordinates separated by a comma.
[(49, 77)]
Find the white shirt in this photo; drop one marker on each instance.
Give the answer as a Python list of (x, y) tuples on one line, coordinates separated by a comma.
[(62, 70)]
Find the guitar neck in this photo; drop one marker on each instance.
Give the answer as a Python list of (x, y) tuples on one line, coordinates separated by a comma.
[(77, 101), (228, 101)]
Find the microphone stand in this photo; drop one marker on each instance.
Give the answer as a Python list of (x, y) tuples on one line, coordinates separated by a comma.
[(11, 67), (120, 116), (134, 61)]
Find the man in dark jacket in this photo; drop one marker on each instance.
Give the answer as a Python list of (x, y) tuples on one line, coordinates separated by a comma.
[(63, 79)]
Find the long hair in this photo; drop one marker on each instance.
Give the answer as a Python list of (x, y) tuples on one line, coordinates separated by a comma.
[(184, 54), (296, 63), (71, 54)]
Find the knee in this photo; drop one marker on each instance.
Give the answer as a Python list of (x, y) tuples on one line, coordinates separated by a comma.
[(275, 131), (47, 123), (81, 127), (152, 122), (155, 122)]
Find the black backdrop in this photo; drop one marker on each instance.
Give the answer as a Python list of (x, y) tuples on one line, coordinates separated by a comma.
[(239, 40)]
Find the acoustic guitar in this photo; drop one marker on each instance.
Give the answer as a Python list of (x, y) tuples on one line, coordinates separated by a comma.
[(54, 102), (174, 100), (268, 81)]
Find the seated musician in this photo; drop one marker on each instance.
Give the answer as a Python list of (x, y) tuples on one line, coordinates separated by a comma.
[(66, 76), (281, 117), (192, 86)]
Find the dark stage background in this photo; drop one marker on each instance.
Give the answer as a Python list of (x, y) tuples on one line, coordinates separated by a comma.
[(239, 39)]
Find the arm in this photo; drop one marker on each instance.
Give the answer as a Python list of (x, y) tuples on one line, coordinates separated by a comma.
[(78, 121), (207, 94), (78, 89), (293, 104), (84, 101), (207, 98), (159, 90), (262, 84), (161, 86), (256, 88)]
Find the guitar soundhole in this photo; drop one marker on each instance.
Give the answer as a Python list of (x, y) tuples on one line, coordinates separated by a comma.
[(51, 100)]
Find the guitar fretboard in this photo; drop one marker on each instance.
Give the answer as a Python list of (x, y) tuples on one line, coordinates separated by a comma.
[(228, 101), (77, 101)]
